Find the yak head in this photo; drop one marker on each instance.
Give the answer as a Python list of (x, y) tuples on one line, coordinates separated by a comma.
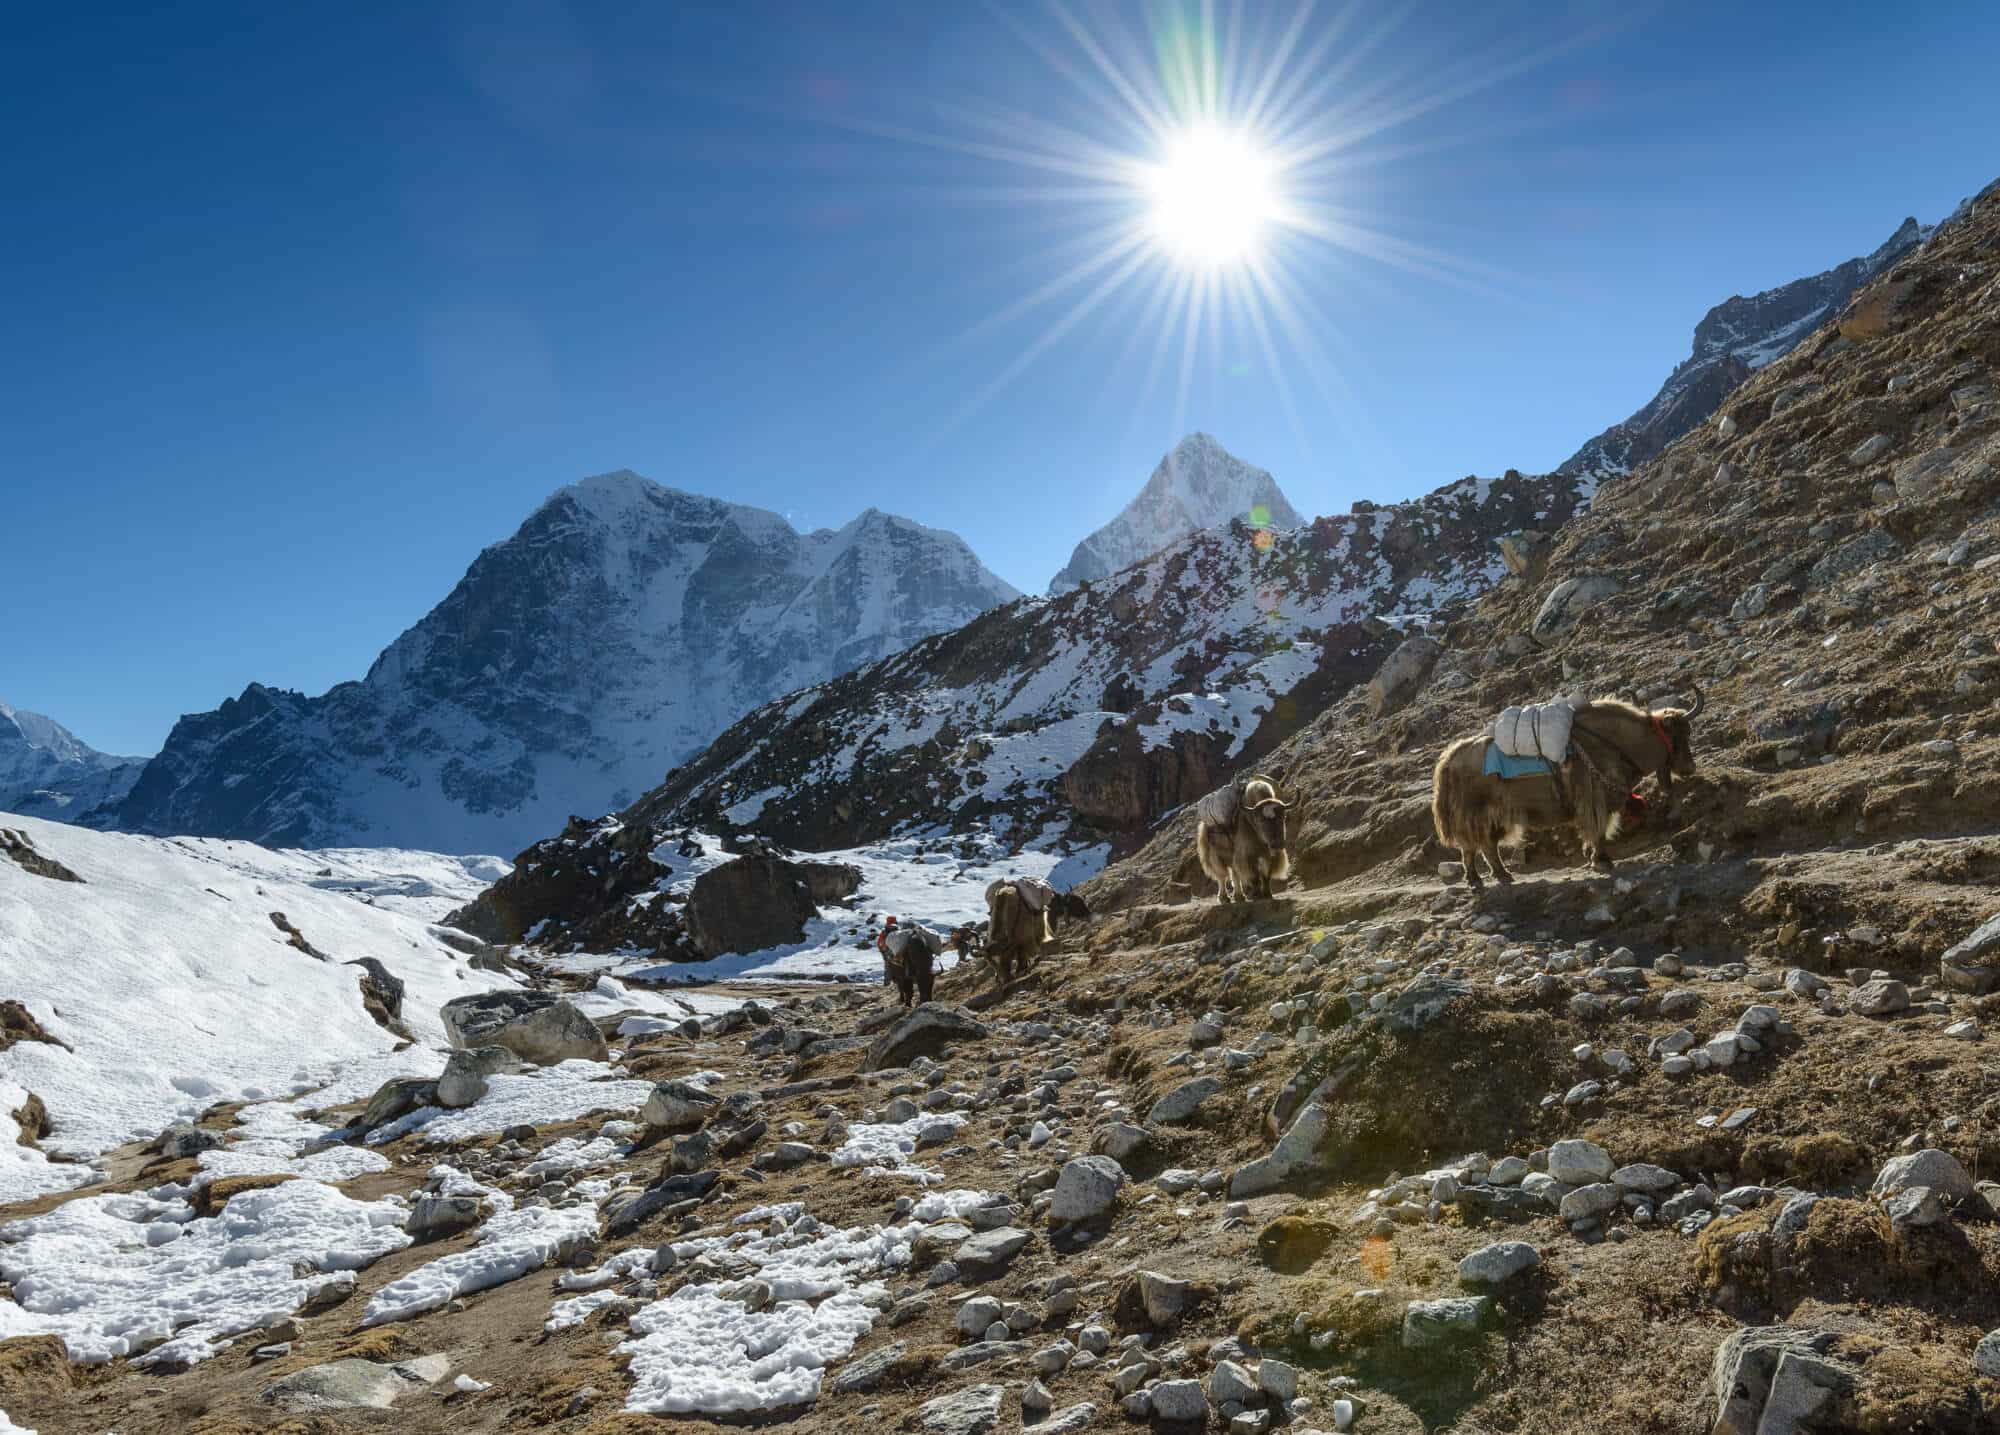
[(1264, 812), (1676, 726), (1068, 907)]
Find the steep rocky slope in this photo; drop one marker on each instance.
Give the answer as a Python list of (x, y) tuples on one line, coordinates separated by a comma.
[(1198, 485), (1733, 341), (622, 627), (47, 771)]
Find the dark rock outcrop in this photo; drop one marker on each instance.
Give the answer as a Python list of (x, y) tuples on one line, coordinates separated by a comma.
[(749, 903)]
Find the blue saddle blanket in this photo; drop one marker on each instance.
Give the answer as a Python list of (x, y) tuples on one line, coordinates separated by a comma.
[(1498, 764)]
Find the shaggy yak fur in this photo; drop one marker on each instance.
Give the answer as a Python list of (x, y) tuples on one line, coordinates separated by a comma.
[(1613, 746), (1021, 918), (909, 960), (1244, 852)]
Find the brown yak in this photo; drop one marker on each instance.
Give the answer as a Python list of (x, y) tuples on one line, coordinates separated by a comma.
[(1613, 745), (1240, 840)]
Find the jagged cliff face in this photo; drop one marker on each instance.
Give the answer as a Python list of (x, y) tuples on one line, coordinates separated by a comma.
[(1198, 485), (1733, 341), (1081, 718), (47, 771), (622, 627)]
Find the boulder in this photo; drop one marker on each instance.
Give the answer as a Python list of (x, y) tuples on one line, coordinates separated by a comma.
[(1579, 1163), (185, 1139), (1986, 1355), (971, 1411), (1421, 1003), (1086, 1190), (749, 903), (465, 1073), (865, 1372), (1498, 1263), (1230, 1381), (992, 1248), (1179, 1105), (396, 1097), (355, 1384), (1066, 1421), (1587, 1203), (831, 882), (1917, 478), (678, 1106), (1433, 1322), (1402, 673), (1296, 1154), (925, 1031), (1973, 965), (1568, 601), (1884, 996), (1939, 1170), (1526, 553), (535, 1026), (1179, 1402), (1876, 312), (433, 1216), (1158, 1300), (1121, 1140), (1772, 1380)]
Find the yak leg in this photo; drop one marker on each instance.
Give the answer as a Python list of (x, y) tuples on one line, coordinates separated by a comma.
[(1468, 858), (1492, 851), (926, 982)]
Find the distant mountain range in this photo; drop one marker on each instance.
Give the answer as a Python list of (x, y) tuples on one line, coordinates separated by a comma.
[(626, 626), (48, 771), (619, 630)]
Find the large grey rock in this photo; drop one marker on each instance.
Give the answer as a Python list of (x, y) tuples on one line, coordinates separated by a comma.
[(1568, 601), (1973, 965), (748, 904), (1587, 1203), (1065, 1421), (1579, 1163), (1917, 478), (678, 1106), (992, 1248), (1164, 1299), (1402, 673), (1087, 1189), (1882, 997), (1644, 1177), (465, 1073), (396, 1097), (183, 1138), (1296, 1154), (535, 1026), (1433, 1322), (971, 1411), (1181, 1103), (1939, 1170), (1986, 1355), (1772, 1380), (1230, 1381), (1498, 1263), (355, 1384), (925, 1031), (1179, 1402), (433, 1216), (868, 1371), (1121, 1140)]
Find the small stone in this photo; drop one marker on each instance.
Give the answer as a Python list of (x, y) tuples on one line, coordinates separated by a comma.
[(1587, 1203), (1879, 997), (1915, 1207), (1986, 1355), (1230, 1381), (1432, 1322), (1179, 1401), (1938, 1170), (1180, 1104)]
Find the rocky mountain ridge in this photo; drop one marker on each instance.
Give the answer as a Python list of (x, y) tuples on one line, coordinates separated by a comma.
[(616, 632), (1734, 340), (48, 771)]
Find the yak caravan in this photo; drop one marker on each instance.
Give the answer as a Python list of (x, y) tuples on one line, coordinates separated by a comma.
[(568, 953)]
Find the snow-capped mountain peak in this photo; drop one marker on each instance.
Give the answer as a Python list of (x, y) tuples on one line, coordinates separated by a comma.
[(48, 771), (620, 629), (1198, 485)]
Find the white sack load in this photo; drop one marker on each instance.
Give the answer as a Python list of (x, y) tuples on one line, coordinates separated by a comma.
[(1536, 730), (1035, 893)]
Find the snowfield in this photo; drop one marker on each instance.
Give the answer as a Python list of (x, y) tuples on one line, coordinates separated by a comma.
[(172, 989)]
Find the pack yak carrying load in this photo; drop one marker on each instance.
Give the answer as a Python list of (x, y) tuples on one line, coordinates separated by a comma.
[(1553, 764), (909, 958)]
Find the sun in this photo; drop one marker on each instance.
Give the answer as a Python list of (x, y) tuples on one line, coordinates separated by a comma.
[(1212, 197)]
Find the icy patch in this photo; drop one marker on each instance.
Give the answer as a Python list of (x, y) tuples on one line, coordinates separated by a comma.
[(116, 1275), (699, 1351), (948, 1205), (577, 1309), (510, 1245), (563, 1092), (890, 1143), (574, 1154), (8, 1427)]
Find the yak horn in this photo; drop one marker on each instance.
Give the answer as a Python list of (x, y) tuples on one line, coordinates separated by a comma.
[(1698, 700)]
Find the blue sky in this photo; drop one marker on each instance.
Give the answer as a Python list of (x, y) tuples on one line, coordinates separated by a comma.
[(306, 304)]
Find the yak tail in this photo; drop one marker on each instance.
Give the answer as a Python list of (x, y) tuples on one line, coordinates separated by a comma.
[(1006, 905)]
